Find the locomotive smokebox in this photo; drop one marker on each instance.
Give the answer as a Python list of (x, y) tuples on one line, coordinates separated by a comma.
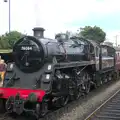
[(38, 32)]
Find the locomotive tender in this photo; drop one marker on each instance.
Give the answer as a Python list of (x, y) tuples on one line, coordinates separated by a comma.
[(50, 72)]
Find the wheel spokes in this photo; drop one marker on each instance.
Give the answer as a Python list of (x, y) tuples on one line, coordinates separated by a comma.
[(86, 82)]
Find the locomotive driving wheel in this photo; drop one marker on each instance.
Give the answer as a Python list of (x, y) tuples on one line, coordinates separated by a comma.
[(78, 92), (86, 85), (83, 83), (74, 90)]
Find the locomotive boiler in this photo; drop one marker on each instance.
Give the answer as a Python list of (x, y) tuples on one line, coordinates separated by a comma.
[(32, 53), (50, 72)]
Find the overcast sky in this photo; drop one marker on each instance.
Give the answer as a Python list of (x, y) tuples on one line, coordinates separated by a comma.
[(60, 15)]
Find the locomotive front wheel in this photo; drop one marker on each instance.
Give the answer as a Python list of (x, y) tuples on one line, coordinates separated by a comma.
[(2, 105), (43, 108), (9, 104)]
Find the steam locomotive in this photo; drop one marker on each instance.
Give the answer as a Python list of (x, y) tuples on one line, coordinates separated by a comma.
[(47, 73)]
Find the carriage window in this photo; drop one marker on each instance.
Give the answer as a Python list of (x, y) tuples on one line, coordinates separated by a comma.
[(104, 52), (91, 49)]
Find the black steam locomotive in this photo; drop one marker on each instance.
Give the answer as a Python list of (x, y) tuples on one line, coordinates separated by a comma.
[(50, 72)]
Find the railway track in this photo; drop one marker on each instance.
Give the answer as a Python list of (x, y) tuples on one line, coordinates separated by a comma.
[(109, 110)]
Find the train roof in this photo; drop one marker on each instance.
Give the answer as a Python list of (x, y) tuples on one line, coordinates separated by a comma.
[(108, 46)]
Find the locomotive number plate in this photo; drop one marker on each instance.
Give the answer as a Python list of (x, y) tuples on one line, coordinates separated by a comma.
[(26, 48)]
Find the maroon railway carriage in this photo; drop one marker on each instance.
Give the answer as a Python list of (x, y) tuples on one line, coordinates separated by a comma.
[(117, 58)]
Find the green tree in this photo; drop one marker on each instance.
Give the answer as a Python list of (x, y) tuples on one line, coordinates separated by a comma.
[(8, 39), (93, 33), (4, 43), (12, 37)]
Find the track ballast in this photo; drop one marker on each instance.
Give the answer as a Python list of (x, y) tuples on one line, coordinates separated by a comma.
[(109, 110)]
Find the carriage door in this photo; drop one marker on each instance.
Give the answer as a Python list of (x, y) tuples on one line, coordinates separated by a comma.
[(97, 50)]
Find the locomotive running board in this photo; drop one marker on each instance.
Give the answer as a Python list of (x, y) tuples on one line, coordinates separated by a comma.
[(73, 64)]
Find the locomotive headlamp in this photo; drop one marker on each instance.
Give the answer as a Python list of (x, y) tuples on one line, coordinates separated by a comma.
[(32, 97), (11, 66), (49, 67), (48, 76)]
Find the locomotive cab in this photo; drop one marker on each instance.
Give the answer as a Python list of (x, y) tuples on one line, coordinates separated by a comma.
[(107, 57)]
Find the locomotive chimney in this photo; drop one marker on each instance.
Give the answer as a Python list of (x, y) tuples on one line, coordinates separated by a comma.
[(38, 32)]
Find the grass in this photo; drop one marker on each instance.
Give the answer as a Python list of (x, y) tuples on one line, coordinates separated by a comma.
[(5, 50)]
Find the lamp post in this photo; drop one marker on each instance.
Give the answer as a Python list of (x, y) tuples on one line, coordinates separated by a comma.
[(9, 14)]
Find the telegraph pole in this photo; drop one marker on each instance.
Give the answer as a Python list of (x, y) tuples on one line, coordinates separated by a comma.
[(9, 16), (116, 40)]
